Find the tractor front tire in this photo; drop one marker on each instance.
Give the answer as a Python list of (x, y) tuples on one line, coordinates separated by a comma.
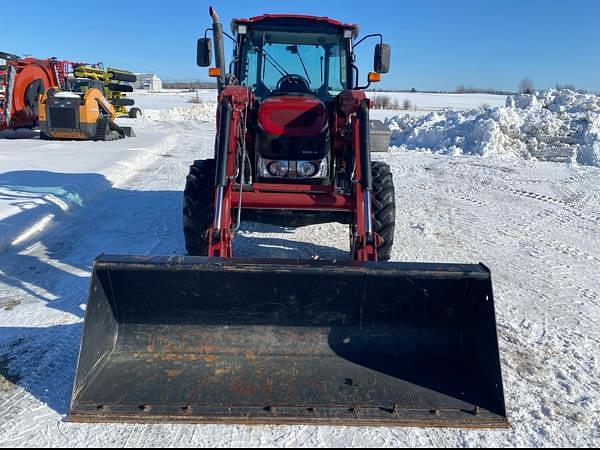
[(198, 206), (384, 208)]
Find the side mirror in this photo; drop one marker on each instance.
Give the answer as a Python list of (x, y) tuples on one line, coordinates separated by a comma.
[(383, 53), (204, 57)]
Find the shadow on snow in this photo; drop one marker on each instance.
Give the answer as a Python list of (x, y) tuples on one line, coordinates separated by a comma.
[(93, 218)]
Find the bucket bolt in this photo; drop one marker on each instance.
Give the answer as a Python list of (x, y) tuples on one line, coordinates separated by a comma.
[(353, 410)]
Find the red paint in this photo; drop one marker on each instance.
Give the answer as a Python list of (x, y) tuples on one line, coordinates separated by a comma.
[(267, 17), (27, 71), (363, 250), (292, 116), (348, 102), (240, 96), (281, 116), (287, 188), (298, 201)]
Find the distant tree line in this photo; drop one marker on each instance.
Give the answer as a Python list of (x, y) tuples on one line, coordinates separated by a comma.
[(462, 89), (527, 87), (189, 85), (459, 90)]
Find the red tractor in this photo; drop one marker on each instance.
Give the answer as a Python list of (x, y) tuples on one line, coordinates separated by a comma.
[(212, 338), (293, 142)]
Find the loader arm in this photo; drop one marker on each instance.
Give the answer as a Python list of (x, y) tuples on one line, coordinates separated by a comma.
[(234, 105)]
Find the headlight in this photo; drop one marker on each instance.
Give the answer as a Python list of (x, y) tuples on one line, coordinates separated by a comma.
[(306, 169), (268, 168), (278, 168)]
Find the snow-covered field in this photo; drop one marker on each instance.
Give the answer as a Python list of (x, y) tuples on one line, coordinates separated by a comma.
[(536, 224), (423, 103)]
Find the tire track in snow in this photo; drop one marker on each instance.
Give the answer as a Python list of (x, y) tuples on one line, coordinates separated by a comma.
[(554, 201), (461, 218), (471, 204)]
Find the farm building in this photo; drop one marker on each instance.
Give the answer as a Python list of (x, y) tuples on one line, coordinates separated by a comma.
[(148, 81)]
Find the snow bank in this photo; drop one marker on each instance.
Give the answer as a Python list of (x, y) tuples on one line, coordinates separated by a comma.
[(560, 126), (203, 112)]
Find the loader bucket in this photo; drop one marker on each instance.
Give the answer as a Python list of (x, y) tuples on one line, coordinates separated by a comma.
[(250, 341)]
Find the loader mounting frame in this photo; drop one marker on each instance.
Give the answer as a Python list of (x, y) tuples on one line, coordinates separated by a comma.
[(233, 105)]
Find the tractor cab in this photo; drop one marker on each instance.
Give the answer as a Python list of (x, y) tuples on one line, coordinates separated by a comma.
[(296, 67), (294, 55)]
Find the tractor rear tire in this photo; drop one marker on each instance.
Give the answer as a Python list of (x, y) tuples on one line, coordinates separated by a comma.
[(384, 208), (198, 206)]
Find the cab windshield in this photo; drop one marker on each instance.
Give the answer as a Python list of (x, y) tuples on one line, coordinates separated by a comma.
[(283, 62)]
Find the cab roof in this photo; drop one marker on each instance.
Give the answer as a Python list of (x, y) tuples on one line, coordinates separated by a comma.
[(266, 18)]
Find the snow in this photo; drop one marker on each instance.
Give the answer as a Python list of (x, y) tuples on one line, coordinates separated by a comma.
[(424, 103), (203, 112), (45, 179), (168, 99), (560, 126), (534, 223), (65, 94), (41, 180)]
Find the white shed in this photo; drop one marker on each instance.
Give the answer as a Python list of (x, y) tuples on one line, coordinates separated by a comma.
[(148, 81)]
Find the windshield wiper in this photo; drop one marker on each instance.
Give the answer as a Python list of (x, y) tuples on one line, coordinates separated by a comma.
[(294, 49), (273, 62)]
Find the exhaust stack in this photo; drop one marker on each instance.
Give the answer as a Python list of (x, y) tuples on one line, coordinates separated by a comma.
[(219, 51)]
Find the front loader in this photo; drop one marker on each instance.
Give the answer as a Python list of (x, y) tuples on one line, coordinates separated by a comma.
[(212, 338)]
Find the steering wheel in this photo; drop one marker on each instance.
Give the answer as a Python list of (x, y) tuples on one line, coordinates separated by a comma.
[(293, 83)]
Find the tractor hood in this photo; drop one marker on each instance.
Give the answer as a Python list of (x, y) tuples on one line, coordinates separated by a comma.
[(293, 116)]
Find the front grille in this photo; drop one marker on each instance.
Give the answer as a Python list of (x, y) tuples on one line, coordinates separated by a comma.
[(63, 118)]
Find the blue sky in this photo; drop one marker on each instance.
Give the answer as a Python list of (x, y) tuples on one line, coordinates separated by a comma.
[(437, 44)]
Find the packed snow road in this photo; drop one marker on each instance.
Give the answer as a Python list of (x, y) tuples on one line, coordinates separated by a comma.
[(536, 225)]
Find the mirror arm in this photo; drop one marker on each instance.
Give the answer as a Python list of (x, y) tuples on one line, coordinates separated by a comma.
[(357, 73), (363, 88), (230, 37), (231, 64), (379, 35)]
